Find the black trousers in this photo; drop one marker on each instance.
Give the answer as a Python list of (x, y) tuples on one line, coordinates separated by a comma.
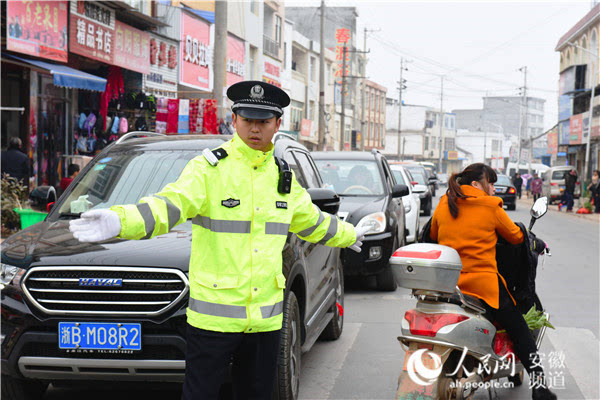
[(208, 355), (511, 319)]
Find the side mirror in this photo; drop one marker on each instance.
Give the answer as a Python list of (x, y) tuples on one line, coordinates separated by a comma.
[(400, 191), (327, 200), (539, 208)]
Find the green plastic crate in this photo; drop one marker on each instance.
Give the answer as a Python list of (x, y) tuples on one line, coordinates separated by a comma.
[(30, 217)]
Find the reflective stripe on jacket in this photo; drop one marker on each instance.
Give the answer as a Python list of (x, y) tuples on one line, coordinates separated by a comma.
[(240, 225)]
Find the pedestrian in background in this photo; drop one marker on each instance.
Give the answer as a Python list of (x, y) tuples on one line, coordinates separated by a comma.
[(242, 208), (536, 186), (594, 188), (570, 182), (518, 182), (14, 162), (72, 171)]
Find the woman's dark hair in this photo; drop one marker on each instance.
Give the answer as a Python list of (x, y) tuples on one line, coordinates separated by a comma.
[(474, 172)]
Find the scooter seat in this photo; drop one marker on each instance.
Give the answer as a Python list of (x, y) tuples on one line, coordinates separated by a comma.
[(473, 303)]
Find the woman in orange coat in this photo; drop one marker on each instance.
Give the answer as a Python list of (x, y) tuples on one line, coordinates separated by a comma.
[(468, 219)]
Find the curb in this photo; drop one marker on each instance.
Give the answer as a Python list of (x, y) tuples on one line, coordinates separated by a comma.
[(527, 203)]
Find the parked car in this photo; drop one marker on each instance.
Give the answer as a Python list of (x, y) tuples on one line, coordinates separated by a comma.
[(553, 180), (49, 279), (430, 180), (412, 202), (371, 197), (505, 189)]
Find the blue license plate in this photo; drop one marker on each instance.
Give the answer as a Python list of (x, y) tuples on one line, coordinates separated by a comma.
[(99, 336), (499, 190)]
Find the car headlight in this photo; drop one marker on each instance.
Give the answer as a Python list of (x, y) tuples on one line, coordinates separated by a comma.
[(375, 221), (10, 275), (407, 207)]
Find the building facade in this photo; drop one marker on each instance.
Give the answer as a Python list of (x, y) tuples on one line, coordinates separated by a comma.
[(579, 77), (373, 134)]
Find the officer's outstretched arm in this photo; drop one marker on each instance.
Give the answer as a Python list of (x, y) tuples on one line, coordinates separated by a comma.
[(316, 226), (174, 204)]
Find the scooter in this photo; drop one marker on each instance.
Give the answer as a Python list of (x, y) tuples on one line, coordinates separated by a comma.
[(451, 348)]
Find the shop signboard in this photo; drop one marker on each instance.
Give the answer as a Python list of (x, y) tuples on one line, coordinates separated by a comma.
[(272, 71), (553, 142), (305, 127), (565, 107), (92, 31), (38, 28), (131, 47), (342, 37), (567, 81), (236, 50), (164, 58), (575, 129), (451, 155), (196, 55), (563, 131)]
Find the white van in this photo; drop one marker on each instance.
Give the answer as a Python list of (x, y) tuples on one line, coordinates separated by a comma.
[(511, 169), (554, 181)]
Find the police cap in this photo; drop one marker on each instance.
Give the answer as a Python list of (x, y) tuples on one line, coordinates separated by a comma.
[(257, 100)]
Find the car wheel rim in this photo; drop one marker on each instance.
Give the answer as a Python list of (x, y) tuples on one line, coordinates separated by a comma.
[(294, 370)]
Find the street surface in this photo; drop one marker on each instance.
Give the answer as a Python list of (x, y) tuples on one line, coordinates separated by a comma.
[(366, 361)]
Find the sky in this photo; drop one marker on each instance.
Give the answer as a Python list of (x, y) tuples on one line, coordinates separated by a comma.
[(478, 46)]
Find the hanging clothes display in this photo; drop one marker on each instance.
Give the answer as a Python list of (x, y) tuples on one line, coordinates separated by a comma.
[(161, 115), (183, 126), (172, 116), (210, 117), (114, 88)]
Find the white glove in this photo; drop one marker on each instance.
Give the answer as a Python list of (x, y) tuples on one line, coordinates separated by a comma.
[(96, 226), (360, 235)]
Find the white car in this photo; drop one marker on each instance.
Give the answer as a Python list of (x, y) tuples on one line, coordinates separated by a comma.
[(412, 202)]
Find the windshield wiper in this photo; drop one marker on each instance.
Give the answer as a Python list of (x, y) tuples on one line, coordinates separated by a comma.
[(69, 215)]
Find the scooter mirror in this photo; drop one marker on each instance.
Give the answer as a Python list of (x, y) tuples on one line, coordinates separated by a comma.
[(539, 208)]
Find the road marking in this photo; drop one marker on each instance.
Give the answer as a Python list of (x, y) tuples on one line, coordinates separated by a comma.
[(580, 348), (319, 374)]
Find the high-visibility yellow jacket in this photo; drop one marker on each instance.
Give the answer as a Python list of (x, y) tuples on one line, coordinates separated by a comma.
[(240, 225)]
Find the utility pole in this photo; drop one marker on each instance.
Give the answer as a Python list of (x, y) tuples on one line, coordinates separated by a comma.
[(523, 117), (321, 140), (220, 60), (343, 116), (362, 97), (441, 124), (400, 87), (484, 131)]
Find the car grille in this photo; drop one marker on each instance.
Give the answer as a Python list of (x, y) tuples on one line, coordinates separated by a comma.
[(143, 291)]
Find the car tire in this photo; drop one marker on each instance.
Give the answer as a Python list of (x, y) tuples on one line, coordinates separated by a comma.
[(334, 328), (427, 211), (385, 279), (290, 351), (20, 389)]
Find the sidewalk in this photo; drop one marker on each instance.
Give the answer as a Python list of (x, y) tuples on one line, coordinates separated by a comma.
[(526, 203)]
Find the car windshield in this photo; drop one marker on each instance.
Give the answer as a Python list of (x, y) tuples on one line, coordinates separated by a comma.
[(503, 180), (419, 177), (124, 178), (351, 177)]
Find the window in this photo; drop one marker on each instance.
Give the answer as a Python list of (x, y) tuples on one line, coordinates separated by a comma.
[(296, 113), (254, 6), (449, 143), (312, 69), (278, 29), (427, 143), (291, 160), (311, 110), (310, 175)]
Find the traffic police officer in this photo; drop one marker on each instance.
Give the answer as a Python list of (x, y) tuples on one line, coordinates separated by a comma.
[(242, 203)]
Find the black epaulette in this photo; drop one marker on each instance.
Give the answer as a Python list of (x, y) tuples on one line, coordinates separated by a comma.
[(213, 156), (284, 186)]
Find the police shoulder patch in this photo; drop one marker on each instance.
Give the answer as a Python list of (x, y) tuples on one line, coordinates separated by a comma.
[(230, 203)]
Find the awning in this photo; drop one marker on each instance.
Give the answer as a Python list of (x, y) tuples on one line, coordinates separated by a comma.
[(66, 76)]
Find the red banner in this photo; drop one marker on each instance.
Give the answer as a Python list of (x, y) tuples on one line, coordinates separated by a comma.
[(92, 31), (553, 142), (37, 28), (196, 54), (131, 48), (305, 127), (235, 60)]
